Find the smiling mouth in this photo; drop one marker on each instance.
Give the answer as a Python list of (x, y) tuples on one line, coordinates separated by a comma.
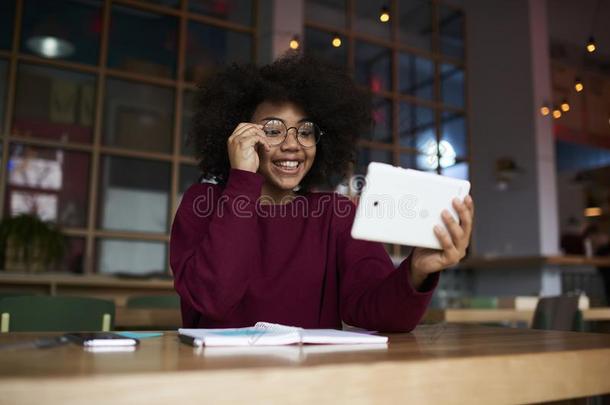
[(287, 166)]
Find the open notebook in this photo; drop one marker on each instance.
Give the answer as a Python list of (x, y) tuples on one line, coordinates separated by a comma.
[(270, 334)]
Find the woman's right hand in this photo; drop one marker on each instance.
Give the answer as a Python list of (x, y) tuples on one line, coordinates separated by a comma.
[(241, 146)]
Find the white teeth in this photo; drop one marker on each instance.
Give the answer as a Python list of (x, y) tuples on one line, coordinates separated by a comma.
[(287, 163)]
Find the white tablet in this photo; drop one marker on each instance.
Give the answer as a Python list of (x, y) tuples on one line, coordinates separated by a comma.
[(402, 206)]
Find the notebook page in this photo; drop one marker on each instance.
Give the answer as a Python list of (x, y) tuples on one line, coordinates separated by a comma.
[(250, 336), (333, 336), (276, 327), (268, 334)]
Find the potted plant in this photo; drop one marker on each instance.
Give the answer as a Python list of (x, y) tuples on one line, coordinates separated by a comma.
[(28, 244)]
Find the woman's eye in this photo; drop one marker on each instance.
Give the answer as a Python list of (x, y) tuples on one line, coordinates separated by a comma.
[(272, 132)]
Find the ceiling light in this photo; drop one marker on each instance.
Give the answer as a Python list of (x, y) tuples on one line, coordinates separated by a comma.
[(50, 47)]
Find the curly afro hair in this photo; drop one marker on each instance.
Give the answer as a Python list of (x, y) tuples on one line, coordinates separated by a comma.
[(325, 92)]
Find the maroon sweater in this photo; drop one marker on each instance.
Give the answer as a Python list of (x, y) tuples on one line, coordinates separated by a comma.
[(237, 261)]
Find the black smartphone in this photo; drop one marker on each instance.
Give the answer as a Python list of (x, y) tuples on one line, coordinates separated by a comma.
[(100, 339)]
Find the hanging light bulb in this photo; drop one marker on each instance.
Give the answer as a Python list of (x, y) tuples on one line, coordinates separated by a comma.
[(591, 45), (578, 86), (336, 41), (50, 39), (50, 47), (593, 212), (565, 107), (294, 42), (556, 112), (384, 15), (545, 110)]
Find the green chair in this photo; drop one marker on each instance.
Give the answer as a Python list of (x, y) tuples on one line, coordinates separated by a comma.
[(170, 301), (8, 294), (56, 314), (480, 302)]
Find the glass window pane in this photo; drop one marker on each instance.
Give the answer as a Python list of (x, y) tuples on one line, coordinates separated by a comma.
[(189, 175), (408, 160), (452, 85), (210, 48), (52, 183), (3, 82), (382, 121), (368, 155), (135, 257), (134, 194), (54, 103), (62, 29), (142, 42), (453, 134), (452, 31), (416, 128), (415, 23), (74, 256), (458, 171), (373, 66), (425, 163), (166, 3), (367, 21), (416, 76), (328, 12), (237, 11), (319, 44), (188, 111), (138, 116), (417, 162), (7, 17)]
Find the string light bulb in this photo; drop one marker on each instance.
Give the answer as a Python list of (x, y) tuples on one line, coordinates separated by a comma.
[(565, 107), (578, 86), (336, 41), (556, 112), (545, 110), (384, 15), (294, 43), (591, 45), (593, 212)]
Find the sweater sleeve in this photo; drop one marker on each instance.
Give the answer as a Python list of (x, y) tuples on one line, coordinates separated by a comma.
[(214, 242), (373, 293)]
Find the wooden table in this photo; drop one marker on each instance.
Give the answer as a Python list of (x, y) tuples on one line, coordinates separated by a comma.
[(525, 262), (464, 315), (97, 286), (136, 318), (442, 363)]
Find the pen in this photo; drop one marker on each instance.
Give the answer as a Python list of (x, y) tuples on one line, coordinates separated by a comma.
[(44, 343), (191, 341)]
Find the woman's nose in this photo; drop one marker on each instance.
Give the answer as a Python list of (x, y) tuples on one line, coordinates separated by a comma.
[(290, 142)]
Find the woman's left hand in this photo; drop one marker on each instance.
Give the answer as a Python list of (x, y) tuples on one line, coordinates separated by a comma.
[(454, 243)]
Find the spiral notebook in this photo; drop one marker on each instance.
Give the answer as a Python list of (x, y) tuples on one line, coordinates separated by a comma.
[(272, 334)]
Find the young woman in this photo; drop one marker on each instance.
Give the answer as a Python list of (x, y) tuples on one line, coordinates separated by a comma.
[(260, 245)]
